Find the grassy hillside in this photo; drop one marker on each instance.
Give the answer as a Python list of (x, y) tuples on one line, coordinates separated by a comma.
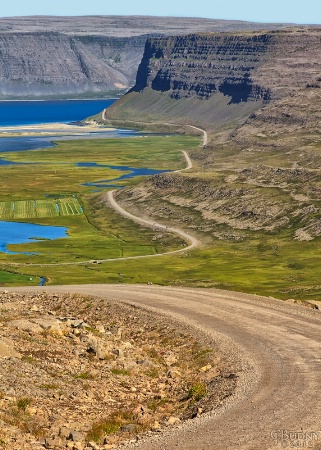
[(152, 106), (252, 199)]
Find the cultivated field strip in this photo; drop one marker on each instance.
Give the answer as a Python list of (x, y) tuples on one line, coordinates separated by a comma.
[(23, 209), (6, 209), (67, 207), (29, 209)]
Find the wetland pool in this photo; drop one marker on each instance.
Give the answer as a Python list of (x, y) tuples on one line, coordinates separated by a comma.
[(16, 116), (24, 143), (23, 233), (132, 173)]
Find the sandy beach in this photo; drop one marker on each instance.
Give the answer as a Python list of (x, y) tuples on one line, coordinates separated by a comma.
[(47, 129)]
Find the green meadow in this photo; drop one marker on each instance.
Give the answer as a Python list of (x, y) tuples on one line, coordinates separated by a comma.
[(54, 171), (265, 265), (49, 189), (28, 209)]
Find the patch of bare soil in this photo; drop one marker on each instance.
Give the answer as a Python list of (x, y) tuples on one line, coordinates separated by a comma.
[(83, 373)]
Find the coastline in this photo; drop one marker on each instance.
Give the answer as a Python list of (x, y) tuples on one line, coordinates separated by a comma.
[(58, 99), (47, 129), (41, 115)]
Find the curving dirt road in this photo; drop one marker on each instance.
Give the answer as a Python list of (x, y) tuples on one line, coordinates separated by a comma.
[(109, 197), (188, 160), (205, 136), (276, 352), (193, 242)]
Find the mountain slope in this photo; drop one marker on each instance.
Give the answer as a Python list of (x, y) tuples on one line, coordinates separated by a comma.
[(60, 56), (253, 195), (215, 78)]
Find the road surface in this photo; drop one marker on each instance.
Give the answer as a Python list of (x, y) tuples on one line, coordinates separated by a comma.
[(277, 357), (192, 241), (205, 136)]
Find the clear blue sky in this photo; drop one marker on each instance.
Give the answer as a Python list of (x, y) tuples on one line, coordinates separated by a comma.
[(297, 11)]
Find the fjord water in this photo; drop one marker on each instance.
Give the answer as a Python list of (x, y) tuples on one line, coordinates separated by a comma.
[(25, 113), (14, 113)]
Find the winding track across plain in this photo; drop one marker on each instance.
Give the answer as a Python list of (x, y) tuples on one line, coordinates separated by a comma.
[(276, 351), (205, 137), (192, 241), (110, 200)]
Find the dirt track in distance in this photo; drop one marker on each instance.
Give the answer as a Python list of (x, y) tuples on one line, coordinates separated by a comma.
[(276, 351)]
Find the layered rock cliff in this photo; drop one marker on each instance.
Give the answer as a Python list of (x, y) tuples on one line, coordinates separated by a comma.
[(202, 65), (49, 63), (42, 56), (258, 181), (222, 77)]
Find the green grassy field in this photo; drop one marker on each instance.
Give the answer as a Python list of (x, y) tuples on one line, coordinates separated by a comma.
[(263, 262), (30, 209), (95, 231), (265, 266), (54, 171), (8, 278)]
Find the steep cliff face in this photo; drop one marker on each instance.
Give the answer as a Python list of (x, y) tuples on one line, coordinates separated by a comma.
[(234, 73), (242, 66), (202, 65), (47, 63), (42, 56)]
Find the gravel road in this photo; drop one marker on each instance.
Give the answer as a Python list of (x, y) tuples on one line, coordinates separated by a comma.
[(192, 241), (275, 347), (204, 138)]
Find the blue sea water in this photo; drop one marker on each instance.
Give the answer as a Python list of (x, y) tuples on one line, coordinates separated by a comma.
[(25, 113), (14, 113)]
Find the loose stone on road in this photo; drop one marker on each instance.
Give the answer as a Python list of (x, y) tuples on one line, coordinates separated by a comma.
[(276, 351)]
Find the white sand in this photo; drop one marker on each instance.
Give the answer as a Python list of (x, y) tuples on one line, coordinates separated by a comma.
[(49, 129)]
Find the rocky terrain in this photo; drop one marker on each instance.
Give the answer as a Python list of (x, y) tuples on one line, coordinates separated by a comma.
[(258, 95), (98, 55), (48, 63), (84, 373), (229, 206), (214, 79)]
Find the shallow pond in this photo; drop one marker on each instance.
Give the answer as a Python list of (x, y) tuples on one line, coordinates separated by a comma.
[(133, 172), (22, 143), (22, 233)]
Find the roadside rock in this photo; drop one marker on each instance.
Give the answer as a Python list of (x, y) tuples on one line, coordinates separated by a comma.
[(89, 377), (7, 349), (26, 325)]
